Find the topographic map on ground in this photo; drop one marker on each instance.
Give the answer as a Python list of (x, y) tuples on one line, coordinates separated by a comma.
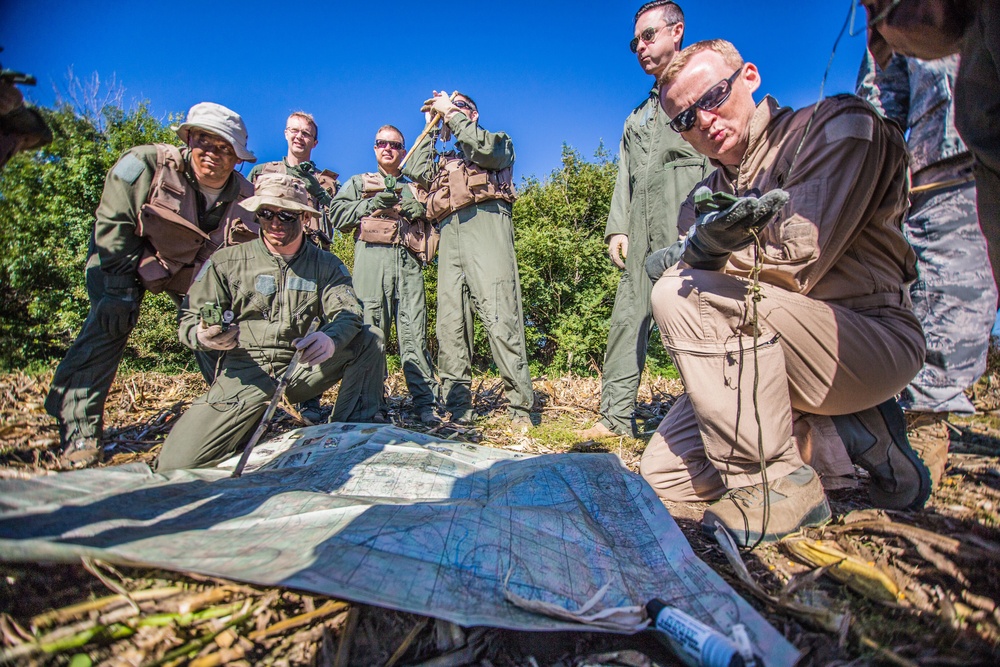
[(390, 517)]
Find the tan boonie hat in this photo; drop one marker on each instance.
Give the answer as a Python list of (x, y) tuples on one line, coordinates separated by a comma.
[(280, 191), (219, 120)]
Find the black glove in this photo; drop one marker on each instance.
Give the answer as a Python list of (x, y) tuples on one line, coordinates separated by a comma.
[(118, 310), (661, 260), (384, 199), (411, 209), (719, 233)]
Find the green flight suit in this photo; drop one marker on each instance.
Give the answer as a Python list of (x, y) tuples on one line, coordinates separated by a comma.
[(477, 270), (274, 302), (389, 280), (657, 170), (82, 380)]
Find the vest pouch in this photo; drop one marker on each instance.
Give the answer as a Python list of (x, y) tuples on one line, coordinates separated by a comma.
[(242, 229), (421, 237), (378, 230), (173, 243), (479, 186)]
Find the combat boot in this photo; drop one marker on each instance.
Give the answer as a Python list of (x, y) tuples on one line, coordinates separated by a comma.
[(876, 440), (928, 435), (81, 453), (795, 501)]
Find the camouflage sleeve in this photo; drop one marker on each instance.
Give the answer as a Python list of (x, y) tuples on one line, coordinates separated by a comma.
[(419, 165), (209, 286), (493, 151), (342, 308), (887, 89), (255, 172), (126, 189), (348, 207), (621, 199)]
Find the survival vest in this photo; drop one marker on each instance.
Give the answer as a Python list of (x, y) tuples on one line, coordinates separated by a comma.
[(388, 226), (317, 228), (175, 247), (459, 183)]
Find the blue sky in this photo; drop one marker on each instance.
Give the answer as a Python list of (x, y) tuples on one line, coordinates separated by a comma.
[(547, 73)]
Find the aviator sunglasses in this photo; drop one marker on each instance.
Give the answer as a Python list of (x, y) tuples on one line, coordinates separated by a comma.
[(286, 217), (648, 36), (713, 99)]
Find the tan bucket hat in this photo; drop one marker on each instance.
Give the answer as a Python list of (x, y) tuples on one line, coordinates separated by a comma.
[(219, 120), (280, 191)]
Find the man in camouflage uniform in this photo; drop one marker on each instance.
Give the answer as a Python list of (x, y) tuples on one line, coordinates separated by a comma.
[(388, 275), (138, 244), (274, 286), (954, 294), (302, 135), (656, 171), (470, 194)]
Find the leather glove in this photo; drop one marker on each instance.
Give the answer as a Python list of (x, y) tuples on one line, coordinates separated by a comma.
[(384, 199), (719, 233), (618, 249), (411, 209), (118, 310), (316, 348), (214, 338), (661, 260)]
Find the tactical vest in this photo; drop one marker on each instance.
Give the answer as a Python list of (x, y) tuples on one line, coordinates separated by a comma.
[(459, 183), (388, 226), (175, 247), (317, 228)]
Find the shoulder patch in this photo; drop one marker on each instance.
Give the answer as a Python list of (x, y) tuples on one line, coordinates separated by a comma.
[(849, 126), (129, 168)]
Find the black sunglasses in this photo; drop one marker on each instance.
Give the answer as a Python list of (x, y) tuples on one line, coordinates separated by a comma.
[(385, 143), (711, 100), (462, 104), (286, 217), (648, 36)]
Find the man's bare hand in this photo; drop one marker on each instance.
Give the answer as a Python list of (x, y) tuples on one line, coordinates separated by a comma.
[(618, 249)]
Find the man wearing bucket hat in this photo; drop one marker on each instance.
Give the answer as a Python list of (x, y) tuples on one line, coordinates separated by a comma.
[(164, 210), (274, 286)]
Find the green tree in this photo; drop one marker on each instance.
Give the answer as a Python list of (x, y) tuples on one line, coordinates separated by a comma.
[(47, 204), (567, 282)]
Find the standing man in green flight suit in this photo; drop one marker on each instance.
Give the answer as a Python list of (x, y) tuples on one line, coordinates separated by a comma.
[(656, 171), (470, 194), (302, 135), (274, 286), (163, 211), (388, 275)]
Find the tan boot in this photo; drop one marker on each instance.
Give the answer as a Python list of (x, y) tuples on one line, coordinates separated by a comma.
[(796, 500), (929, 437), (596, 432)]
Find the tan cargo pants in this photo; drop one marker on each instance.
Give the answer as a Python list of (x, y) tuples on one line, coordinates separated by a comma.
[(813, 359)]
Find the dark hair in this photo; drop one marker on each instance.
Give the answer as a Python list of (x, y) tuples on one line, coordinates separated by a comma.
[(475, 107), (672, 12)]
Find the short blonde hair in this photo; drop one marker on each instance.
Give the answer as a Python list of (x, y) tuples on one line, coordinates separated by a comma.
[(308, 117), (725, 49)]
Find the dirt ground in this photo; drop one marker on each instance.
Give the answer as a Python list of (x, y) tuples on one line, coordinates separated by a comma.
[(871, 587)]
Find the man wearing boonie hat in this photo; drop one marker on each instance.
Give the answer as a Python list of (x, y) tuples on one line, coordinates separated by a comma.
[(274, 286), (164, 210)]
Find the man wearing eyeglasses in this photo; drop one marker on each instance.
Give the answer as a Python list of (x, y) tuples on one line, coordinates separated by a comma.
[(274, 286), (390, 251), (302, 136), (164, 210), (824, 189), (656, 171), (470, 192)]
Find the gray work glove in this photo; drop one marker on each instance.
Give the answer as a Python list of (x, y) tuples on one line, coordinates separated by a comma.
[(215, 337), (411, 209), (384, 199), (719, 233), (316, 348), (118, 310), (661, 260)]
